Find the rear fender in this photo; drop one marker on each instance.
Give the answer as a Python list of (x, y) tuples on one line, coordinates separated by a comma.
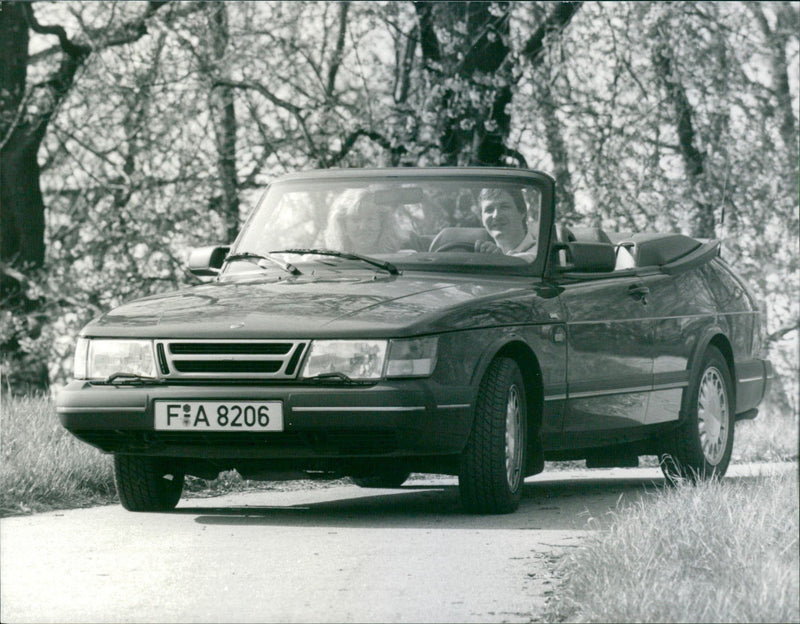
[(713, 335)]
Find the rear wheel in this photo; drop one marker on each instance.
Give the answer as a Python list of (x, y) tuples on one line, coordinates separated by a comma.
[(386, 479), (491, 475), (146, 483), (701, 446)]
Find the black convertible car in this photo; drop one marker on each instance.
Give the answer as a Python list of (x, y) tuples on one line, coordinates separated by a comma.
[(372, 323)]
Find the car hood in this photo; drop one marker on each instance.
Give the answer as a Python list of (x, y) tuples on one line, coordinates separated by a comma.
[(360, 305)]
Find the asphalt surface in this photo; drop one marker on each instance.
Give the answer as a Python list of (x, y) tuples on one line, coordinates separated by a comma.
[(332, 554)]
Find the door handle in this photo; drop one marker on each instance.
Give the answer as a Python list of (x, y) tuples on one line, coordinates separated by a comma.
[(639, 292)]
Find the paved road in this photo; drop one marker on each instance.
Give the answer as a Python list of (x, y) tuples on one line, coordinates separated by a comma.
[(334, 554)]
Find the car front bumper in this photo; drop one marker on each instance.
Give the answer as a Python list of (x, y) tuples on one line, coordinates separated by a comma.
[(400, 418)]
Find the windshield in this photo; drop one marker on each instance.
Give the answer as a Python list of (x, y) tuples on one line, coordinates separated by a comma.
[(464, 223)]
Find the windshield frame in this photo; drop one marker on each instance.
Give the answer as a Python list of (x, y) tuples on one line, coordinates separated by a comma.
[(435, 261)]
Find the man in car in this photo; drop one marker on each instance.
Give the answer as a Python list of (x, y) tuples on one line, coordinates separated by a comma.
[(505, 217)]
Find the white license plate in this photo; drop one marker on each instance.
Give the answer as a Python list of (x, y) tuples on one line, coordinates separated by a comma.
[(219, 415)]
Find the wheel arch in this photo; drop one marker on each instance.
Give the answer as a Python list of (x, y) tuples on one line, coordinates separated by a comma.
[(515, 348), (531, 371), (714, 338)]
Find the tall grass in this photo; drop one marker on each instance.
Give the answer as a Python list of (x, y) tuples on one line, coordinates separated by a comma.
[(43, 466), (770, 437), (716, 552)]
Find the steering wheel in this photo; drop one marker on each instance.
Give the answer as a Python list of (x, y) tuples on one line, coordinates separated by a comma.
[(457, 246)]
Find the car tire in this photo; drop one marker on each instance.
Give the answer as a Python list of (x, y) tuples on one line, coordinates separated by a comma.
[(387, 479), (492, 470), (700, 448), (146, 483)]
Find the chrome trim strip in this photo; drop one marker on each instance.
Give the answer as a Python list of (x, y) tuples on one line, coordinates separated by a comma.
[(358, 409), (586, 394), (751, 379), (594, 393), (79, 410), (671, 386), (454, 406), (662, 318)]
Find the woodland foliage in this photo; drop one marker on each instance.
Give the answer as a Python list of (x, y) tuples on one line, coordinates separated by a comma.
[(674, 116)]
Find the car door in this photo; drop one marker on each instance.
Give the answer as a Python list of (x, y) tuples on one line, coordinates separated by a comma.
[(609, 358)]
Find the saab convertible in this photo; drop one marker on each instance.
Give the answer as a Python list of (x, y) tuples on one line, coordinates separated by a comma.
[(375, 323)]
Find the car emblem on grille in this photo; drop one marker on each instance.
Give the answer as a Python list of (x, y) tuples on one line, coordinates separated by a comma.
[(236, 325)]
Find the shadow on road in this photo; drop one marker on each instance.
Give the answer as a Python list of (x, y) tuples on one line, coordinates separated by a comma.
[(553, 504)]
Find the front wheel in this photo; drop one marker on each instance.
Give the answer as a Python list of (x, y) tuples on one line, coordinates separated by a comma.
[(701, 446), (492, 468), (146, 483)]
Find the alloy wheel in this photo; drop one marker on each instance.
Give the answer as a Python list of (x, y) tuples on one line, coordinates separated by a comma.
[(713, 415), (513, 438)]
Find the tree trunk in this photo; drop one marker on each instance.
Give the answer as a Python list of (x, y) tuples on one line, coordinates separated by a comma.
[(21, 204), (224, 119), (704, 224), (532, 51), (474, 122), (24, 119), (474, 119), (558, 152), (777, 40)]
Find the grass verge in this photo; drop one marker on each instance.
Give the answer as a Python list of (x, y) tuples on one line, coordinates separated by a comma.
[(43, 467), (716, 552)]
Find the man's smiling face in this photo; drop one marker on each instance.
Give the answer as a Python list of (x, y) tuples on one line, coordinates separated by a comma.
[(502, 219)]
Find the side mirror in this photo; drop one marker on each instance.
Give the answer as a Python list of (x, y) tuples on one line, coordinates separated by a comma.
[(587, 257), (207, 261)]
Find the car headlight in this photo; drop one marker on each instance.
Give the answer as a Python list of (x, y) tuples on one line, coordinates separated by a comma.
[(412, 358), (368, 359), (101, 358), (357, 359)]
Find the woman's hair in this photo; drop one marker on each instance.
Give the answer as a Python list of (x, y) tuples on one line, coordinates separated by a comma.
[(358, 205)]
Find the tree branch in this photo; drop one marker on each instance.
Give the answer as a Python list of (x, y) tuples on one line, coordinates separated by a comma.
[(778, 335), (336, 59), (557, 20), (350, 141), (254, 86), (428, 38), (76, 51)]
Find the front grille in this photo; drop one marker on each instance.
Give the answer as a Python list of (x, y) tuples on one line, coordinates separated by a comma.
[(231, 348), (230, 359), (227, 367)]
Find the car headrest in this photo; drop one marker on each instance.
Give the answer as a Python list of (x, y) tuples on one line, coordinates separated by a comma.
[(590, 235)]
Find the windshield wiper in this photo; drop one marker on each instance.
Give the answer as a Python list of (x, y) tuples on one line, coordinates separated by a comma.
[(248, 255), (381, 264), (132, 379), (333, 376)]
